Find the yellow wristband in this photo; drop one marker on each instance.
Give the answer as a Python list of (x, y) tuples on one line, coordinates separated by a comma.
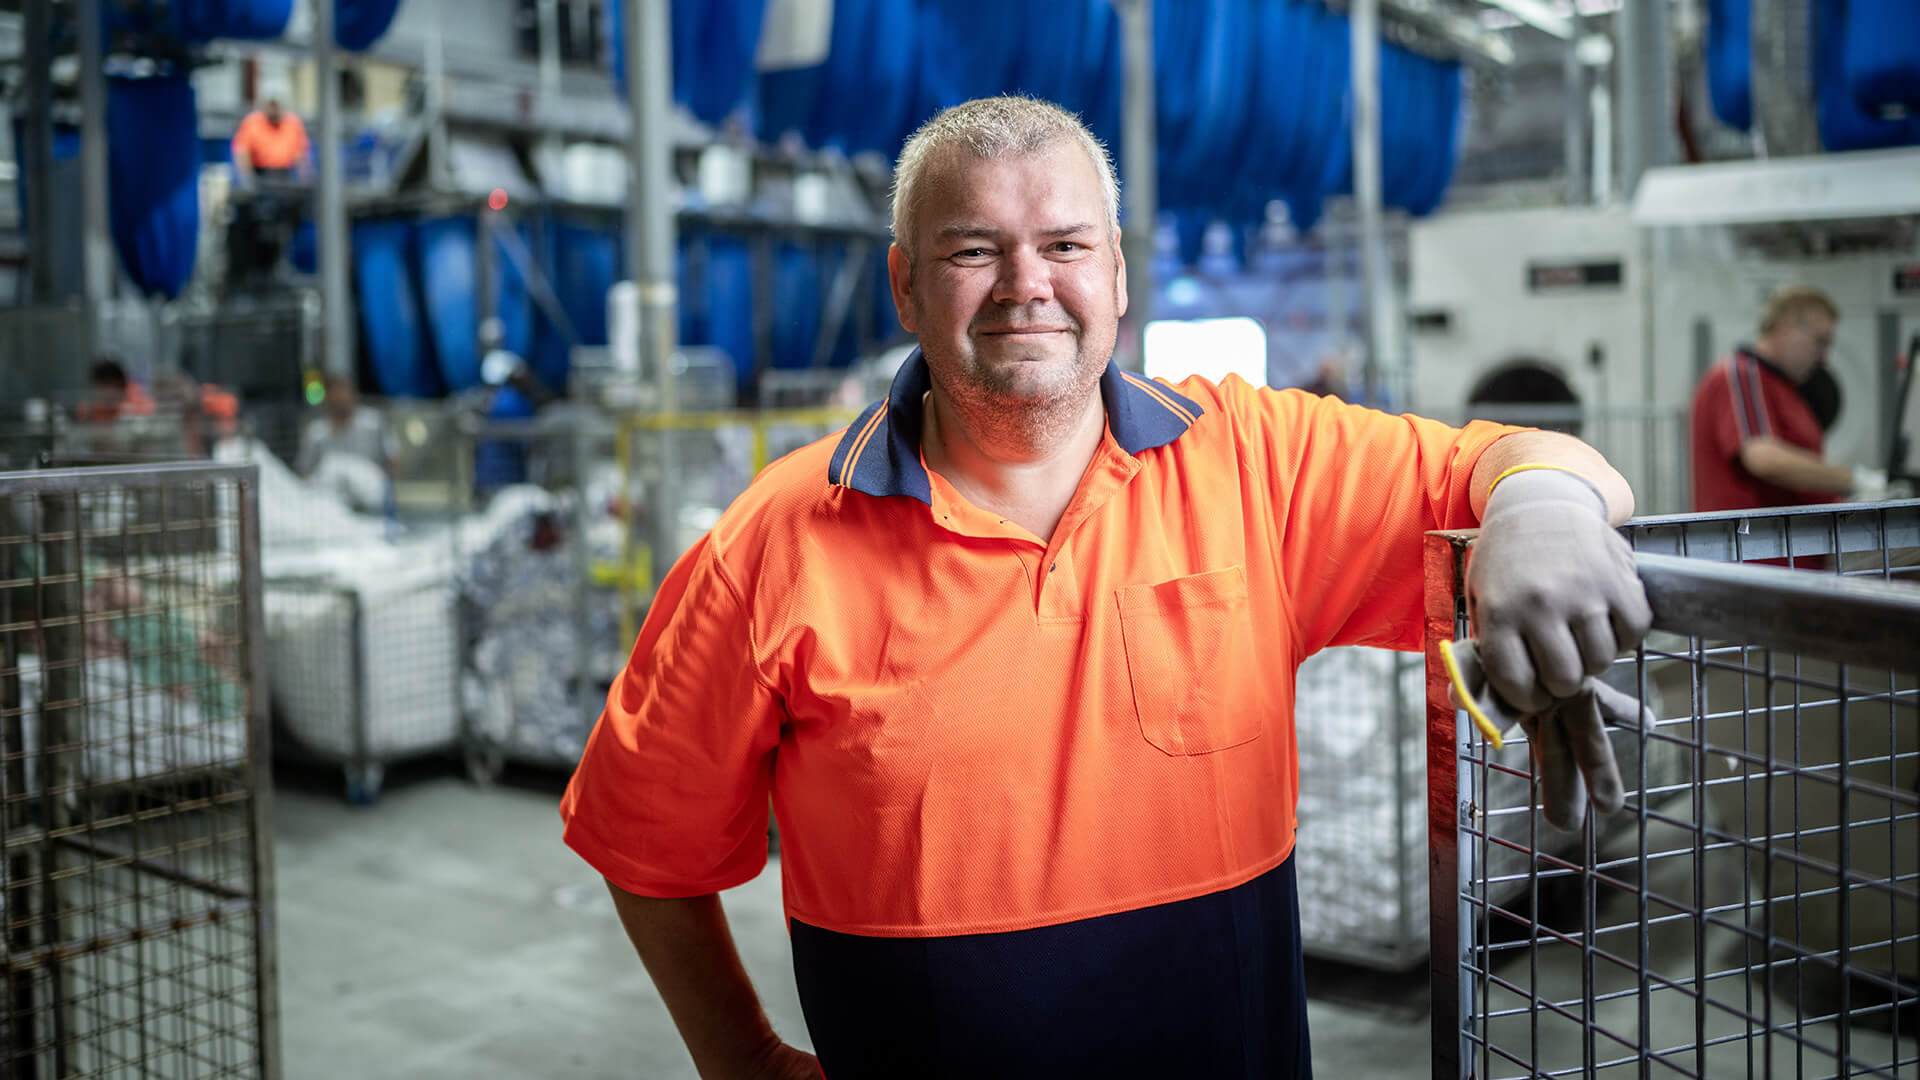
[(1535, 465), (1466, 698)]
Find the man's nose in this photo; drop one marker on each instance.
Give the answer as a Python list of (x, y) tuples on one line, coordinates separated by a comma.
[(1025, 278)]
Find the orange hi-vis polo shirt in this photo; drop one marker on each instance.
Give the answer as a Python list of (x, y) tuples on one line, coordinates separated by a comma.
[(268, 146), (966, 730)]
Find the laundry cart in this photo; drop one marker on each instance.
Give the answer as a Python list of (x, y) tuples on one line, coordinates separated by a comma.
[(1761, 915), (136, 875), (360, 640)]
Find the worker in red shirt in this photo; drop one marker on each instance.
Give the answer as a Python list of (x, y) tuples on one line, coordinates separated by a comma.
[(270, 140), (1756, 438), (1013, 657)]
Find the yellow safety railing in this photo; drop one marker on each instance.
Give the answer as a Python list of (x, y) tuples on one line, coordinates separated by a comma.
[(634, 576)]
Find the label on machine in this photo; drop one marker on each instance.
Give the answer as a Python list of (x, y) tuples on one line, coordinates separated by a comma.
[(1906, 281), (1569, 276)]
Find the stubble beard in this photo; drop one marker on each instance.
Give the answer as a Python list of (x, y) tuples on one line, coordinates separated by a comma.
[(1008, 408)]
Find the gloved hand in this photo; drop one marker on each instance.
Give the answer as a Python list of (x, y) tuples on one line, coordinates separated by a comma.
[(1551, 588), (1572, 756)]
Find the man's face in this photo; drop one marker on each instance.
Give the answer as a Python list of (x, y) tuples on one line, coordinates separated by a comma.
[(273, 112), (1805, 343), (1017, 284)]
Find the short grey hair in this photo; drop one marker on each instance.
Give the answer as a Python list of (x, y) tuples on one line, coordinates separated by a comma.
[(988, 128)]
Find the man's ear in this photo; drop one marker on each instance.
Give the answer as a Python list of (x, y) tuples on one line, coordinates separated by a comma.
[(1120, 271), (900, 277)]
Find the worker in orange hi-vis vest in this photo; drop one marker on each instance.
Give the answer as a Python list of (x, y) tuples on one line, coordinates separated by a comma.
[(270, 140), (1013, 656)]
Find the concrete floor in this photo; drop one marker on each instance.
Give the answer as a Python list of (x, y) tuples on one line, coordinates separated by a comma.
[(447, 933)]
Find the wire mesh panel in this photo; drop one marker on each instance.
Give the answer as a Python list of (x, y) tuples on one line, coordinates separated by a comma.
[(1363, 815), (135, 872), (1758, 914)]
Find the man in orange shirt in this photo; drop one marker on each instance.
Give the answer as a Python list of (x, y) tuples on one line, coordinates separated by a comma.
[(270, 140), (1013, 655)]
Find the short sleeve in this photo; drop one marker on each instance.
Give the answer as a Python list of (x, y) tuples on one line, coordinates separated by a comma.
[(1355, 492), (1717, 419), (670, 797)]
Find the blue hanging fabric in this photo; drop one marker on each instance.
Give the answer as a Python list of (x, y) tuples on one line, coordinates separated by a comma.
[(968, 48), (722, 73), (1881, 53), (512, 303), (1730, 61), (729, 298), (153, 167), (392, 334), (1044, 66), (444, 250), (886, 116), (1101, 66), (1843, 124), (869, 83), (357, 24), (583, 263), (796, 305), (1207, 153), (201, 21)]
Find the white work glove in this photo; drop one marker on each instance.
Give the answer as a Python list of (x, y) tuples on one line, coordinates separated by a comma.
[(1572, 755), (1869, 484), (1551, 588)]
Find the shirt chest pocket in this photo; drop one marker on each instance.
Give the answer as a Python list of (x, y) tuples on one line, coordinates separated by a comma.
[(1189, 645)]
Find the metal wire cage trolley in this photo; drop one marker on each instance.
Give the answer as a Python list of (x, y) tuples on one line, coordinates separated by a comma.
[(135, 872), (1758, 916)]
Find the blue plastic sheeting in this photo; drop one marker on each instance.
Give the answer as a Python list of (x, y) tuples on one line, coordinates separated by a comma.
[(582, 262), (449, 278), (394, 338), (1730, 61), (1881, 62), (1843, 124), (357, 24), (153, 167)]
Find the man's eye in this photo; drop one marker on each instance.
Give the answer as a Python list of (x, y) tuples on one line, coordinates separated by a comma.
[(1069, 246), (970, 253)]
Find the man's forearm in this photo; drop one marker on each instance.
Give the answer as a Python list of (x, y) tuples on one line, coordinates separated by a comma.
[(1785, 465), (688, 949), (1552, 448)]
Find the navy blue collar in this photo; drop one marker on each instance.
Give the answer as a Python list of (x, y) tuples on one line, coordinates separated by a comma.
[(880, 453)]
